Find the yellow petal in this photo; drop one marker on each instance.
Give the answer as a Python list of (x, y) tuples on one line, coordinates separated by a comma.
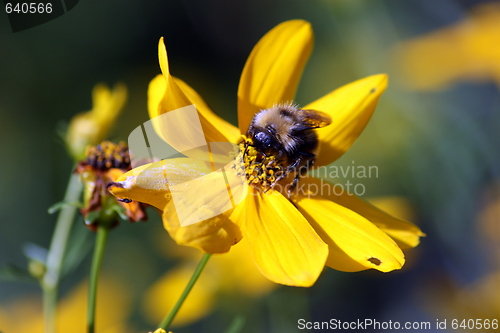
[(391, 215), (354, 242), (224, 131), (350, 107), (169, 93), (285, 247), (405, 234), (198, 213), (173, 97), (214, 235), (228, 131), (150, 183), (273, 69), (164, 293)]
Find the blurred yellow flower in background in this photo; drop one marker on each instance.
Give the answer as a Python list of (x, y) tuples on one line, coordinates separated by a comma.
[(468, 50), (229, 273), (113, 307), (489, 221), (91, 127), (397, 206), (480, 299), (291, 240)]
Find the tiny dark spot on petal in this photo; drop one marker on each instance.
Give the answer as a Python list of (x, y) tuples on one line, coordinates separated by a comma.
[(375, 261), (373, 90), (125, 200)]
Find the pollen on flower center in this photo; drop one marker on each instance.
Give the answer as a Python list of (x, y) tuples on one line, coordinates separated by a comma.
[(108, 155), (261, 171)]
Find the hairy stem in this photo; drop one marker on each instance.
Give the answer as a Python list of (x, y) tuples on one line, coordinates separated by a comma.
[(55, 256)]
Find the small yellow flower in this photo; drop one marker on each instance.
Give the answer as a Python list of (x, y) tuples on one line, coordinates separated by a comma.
[(161, 330), (467, 50), (91, 127), (291, 240)]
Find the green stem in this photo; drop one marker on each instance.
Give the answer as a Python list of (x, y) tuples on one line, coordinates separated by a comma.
[(56, 252), (100, 245), (168, 319)]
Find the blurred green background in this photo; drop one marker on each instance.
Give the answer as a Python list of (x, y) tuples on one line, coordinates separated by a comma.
[(438, 147)]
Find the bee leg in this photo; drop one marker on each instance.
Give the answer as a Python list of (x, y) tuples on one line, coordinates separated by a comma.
[(295, 182), (302, 170)]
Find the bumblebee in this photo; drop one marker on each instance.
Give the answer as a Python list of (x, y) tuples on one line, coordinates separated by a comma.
[(287, 132)]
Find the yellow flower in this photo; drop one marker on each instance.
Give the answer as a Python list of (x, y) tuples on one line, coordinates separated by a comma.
[(230, 273), (290, 239), (90, 128), (480, 299), (468, 50), (161, 330), (114, 303)]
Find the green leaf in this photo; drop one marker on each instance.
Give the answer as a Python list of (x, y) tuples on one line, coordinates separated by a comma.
[(121, 212), (236, 325), (92, 216), (11, 272), (60, 205), (79, 246)]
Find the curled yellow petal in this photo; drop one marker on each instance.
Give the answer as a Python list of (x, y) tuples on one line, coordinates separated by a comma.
[(220, 130), (273, 69), (167, 93), (150, 183), (197, 215), (285, 247), (350, 108), (354, 242), (214, 235)]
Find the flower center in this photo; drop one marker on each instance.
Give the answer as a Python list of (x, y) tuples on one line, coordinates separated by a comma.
[(261, 171), (108, 155)]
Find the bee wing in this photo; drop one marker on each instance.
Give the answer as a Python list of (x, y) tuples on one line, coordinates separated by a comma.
[(316, 119)]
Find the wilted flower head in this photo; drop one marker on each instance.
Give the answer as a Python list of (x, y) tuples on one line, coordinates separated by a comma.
[(103, 164)]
